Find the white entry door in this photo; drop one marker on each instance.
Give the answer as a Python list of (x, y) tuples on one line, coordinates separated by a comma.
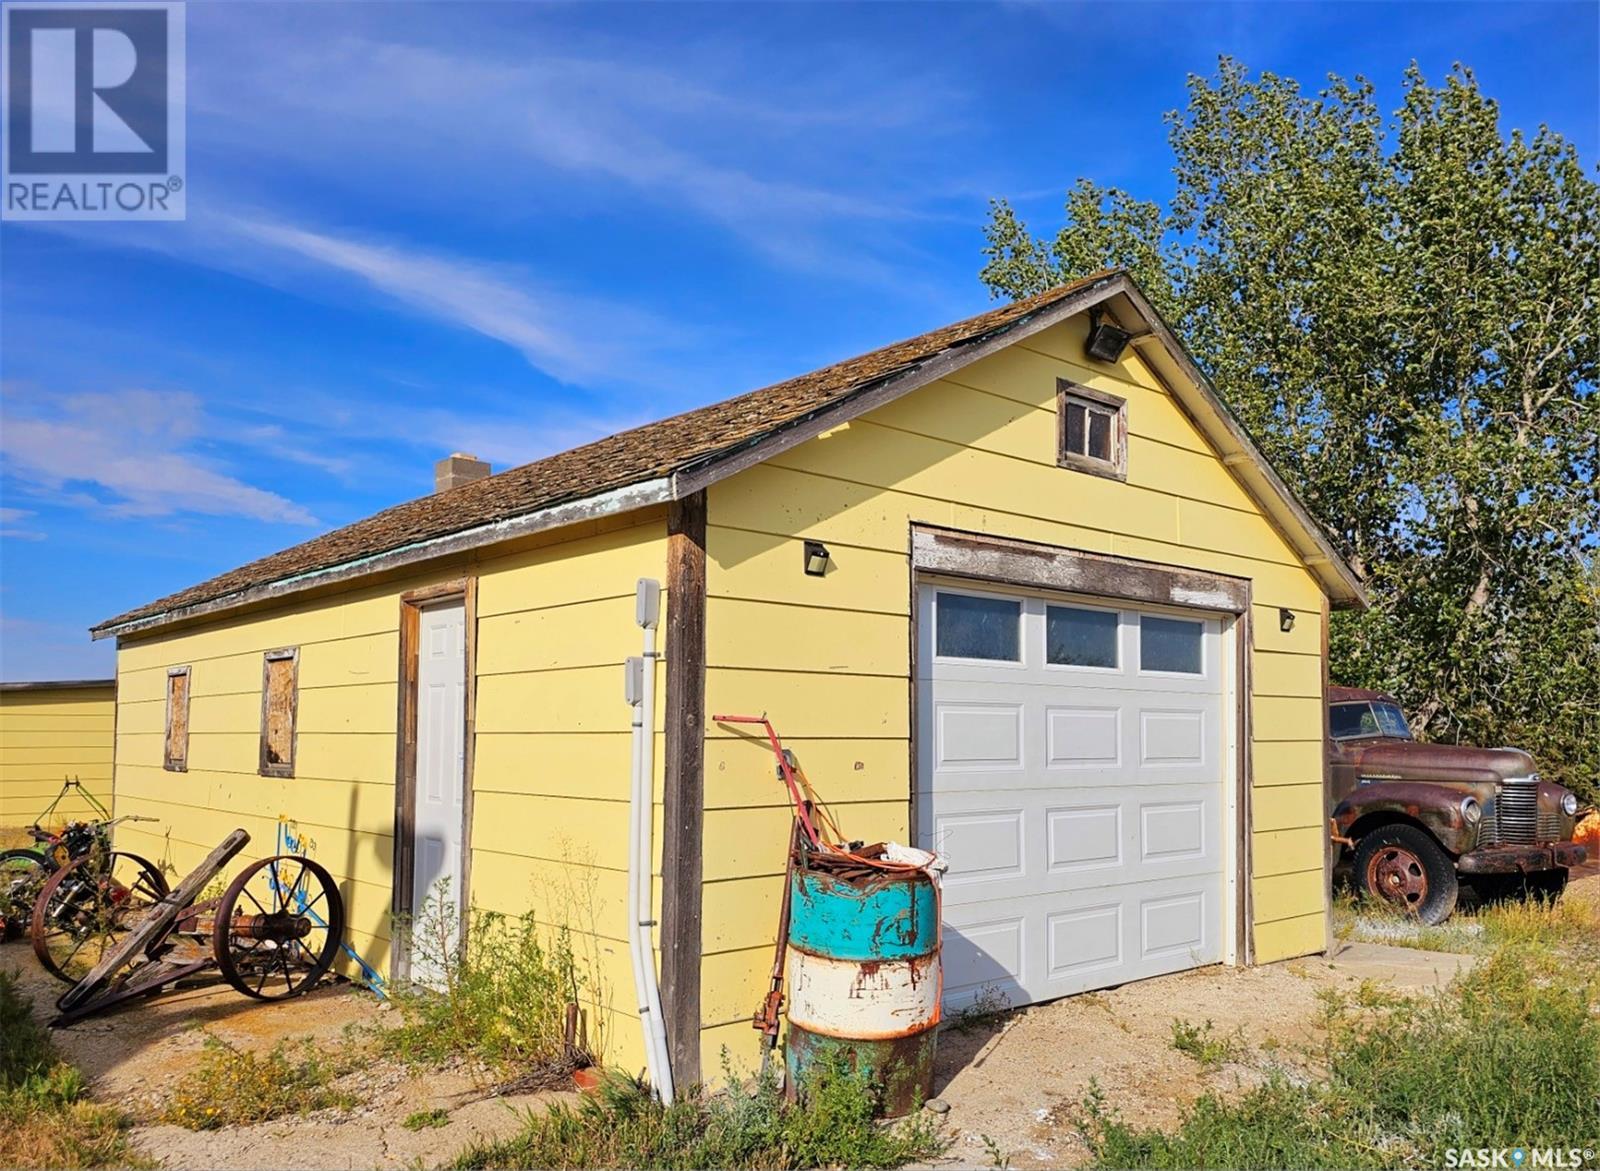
[(437, 820), (1070, 761)]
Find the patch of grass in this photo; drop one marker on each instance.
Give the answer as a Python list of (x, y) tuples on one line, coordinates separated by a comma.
[(622, 1125), (505, 985), (233, 1087), (989, 1008), (1569, 927), (427, 1119), (1203, 1043), (45, 1119), (1508, 1055)]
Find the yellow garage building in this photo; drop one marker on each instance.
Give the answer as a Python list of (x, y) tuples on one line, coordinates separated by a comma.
[(1019, 590)]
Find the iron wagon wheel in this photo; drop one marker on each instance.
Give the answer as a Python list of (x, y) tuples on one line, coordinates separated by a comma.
[(278, 927), (23, 874), (88, 906)]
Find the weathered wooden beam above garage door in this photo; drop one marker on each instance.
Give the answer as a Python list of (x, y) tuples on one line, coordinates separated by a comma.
[(1024, 563)]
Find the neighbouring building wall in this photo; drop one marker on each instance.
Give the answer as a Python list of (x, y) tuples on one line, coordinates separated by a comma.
[(555, 619), (829, 658), (49, 734)]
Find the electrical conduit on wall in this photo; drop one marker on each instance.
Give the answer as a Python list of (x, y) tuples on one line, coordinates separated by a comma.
[(640, 688)]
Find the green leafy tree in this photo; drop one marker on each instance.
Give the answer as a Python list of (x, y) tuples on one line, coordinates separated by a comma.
[(1404, 311)]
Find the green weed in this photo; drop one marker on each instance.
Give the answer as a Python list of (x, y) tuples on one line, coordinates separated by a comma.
[(1203, 1043), (1508, 1055), (622, 1125), (989, 1008), (232, 1086), (45, 1120), (504, 988), (427, 1119), (1569, 927)]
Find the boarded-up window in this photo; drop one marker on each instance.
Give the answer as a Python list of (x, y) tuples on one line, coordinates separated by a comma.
[(176, 755), (279, 696)]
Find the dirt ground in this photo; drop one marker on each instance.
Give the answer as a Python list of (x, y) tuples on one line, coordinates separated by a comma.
[(1012, 1081), (1016, 1083), (132, 1057)]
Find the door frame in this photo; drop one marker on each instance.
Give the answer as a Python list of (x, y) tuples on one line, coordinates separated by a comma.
[(412, 603), (939, 553)]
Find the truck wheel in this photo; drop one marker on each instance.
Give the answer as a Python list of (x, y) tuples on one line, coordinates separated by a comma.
[(1404, 867)]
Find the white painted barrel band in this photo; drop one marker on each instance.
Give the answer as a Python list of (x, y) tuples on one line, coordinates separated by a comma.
[(872, 1001)]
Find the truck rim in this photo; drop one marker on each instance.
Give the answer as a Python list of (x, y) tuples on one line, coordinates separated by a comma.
[(1398, 875)]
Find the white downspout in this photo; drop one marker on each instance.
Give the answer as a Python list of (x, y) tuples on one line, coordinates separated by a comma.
[(641, 854)]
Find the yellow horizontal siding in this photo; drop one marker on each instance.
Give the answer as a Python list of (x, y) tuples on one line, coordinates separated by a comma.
[(1288, 806), (813, 703), (47, 737), (1286, 762), (740, 770), (1287, 938), (551, 758), (1289, 896), (1287, 851), (829, 658)]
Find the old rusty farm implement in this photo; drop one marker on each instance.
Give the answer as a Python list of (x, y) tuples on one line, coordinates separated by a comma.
[(109, 925)]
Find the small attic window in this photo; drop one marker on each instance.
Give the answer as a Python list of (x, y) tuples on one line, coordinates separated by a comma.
[(1093, 430)]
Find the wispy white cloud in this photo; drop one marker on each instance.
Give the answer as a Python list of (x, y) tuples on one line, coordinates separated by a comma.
[(12, 526), (128, 453), (573, 339), (814, 170)]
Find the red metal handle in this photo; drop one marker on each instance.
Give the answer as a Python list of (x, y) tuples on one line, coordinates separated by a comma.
[(783, 768)]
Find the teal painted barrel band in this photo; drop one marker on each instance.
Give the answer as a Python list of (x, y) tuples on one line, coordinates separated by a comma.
[(891, 920)]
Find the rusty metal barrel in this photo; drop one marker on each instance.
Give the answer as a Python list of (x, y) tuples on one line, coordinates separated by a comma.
[(864, 979)]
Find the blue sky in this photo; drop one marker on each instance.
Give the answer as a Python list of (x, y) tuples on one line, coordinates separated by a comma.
[(509, 228)]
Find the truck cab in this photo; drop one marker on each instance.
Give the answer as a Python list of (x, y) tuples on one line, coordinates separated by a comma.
[(1413, 820)]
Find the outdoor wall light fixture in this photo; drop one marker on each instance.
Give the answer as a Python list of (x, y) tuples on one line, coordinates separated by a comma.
[(1105, 342), (816, 559), (1285, 619)]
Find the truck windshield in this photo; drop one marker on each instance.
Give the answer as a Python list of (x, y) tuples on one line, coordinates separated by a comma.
[(1357, 721)]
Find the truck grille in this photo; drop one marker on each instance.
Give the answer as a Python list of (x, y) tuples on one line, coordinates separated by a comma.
[(1517, 811)]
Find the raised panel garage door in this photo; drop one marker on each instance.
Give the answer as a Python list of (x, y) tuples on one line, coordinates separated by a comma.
[(1070, 761)]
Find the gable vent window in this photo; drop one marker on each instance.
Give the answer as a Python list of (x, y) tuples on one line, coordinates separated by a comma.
[(279, 700), (1093, 431), (175, 758)]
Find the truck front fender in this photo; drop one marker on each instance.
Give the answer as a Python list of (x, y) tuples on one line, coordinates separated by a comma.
[(1437, 808)]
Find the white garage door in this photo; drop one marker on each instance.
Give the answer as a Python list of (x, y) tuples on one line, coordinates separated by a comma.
[(1071, 764)]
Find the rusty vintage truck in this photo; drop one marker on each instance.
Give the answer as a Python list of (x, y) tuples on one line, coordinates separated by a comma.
[(1413, 821)]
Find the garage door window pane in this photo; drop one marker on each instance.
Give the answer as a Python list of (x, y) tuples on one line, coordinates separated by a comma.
[(977, 628), (1170, 644), (1080, 638)]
